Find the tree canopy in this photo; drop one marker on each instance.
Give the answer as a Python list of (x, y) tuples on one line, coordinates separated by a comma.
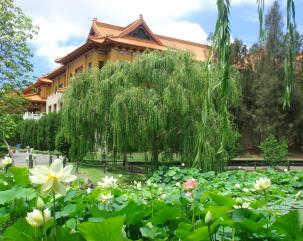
[(15, 30), (261, 111), (152, 104)]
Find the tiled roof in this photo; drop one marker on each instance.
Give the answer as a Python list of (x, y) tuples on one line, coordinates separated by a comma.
[(102, 33), (77, 52), (38, 83), (34, 97), (55, 73), (61, 90), (139, 43)]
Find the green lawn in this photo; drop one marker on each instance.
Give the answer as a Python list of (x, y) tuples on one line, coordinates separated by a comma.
[(96, 173)]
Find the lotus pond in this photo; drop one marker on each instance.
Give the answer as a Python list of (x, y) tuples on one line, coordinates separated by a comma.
[(49, 203)]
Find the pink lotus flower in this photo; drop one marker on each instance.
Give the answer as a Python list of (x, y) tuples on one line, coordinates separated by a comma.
[(190, 184)]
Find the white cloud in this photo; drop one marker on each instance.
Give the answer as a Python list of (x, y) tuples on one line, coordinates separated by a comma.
[(182, 29), (62, 21)]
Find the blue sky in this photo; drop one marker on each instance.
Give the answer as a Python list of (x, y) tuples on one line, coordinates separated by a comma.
[(64, 24)]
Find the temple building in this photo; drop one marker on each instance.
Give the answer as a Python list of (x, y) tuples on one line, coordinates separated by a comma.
[(105, 42)]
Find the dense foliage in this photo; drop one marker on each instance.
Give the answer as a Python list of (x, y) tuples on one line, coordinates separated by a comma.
[(261, 110), (273, 150), (41, 134), (234, 205), (12, 105), (152, 104), (15, 31)]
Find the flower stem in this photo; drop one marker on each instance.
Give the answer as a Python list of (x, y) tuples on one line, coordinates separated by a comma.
[(54, 213), (210, 236), (193, 216)]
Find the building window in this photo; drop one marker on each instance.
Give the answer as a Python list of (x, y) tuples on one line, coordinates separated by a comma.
[(61, 85), (101, 64), (79, 70), (90, 65), (55, 107), (49, 108)]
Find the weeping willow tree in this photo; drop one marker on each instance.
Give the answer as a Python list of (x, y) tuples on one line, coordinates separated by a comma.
[(79, 116), (152, 104)]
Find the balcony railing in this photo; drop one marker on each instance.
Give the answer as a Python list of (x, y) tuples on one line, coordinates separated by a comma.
[(32, 116)]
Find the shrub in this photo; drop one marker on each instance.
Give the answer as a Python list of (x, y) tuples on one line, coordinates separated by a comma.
[(3, 150), (274, 150), (40, 134), (62, 145)]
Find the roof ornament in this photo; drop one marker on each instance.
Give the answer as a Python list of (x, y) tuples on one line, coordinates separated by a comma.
[(95, 19), (141, 16)]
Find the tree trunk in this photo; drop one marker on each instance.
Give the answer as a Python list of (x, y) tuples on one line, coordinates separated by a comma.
[(77, 167), (124, 159), (155, 158)]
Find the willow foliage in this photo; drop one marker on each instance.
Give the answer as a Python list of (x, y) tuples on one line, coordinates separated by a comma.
[(152, 104), (219, 93)]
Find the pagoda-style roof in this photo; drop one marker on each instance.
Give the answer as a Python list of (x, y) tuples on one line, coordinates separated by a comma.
[(55, 73), (38, 83), (61, 90), (77, 52), (137, 35), (34, 97)]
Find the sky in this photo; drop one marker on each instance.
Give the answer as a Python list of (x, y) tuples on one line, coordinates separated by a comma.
[(64, 24)]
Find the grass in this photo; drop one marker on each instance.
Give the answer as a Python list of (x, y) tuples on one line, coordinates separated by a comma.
[(96, 173)]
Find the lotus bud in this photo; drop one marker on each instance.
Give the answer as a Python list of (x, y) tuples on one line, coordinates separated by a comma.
[(37, 218), (40, 203), (208, 218), (149, 225)]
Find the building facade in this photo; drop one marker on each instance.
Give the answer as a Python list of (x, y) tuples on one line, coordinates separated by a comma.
[(105, 42)]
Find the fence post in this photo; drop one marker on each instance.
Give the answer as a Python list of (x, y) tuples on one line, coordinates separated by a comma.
[(64, 161), (255, 164), (30, 160), (50, 158)]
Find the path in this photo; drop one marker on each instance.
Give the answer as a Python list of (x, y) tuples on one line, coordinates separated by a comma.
[(20, 159)]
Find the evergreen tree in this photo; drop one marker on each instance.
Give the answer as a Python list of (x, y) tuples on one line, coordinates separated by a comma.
[(238, 51), (274, 33), (261, 112), (268, 114)]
